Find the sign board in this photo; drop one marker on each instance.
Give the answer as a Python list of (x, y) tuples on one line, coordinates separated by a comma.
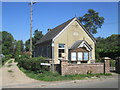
[(47, 64)]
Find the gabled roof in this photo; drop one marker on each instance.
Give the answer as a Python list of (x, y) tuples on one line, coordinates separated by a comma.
[(76, 44), (51, 34), (55, 31), (81, 43)]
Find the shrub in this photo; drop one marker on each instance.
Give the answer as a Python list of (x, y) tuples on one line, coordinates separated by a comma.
[(8, 56), (3, 60), (112, 63), (10, 62), (33, 64), (21, 56)]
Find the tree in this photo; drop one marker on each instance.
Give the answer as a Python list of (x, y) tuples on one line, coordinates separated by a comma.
[(37, 36), (18, 50), (92, 21), (108, 46), (7, 43)]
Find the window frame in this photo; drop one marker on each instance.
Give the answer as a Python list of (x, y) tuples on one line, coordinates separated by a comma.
[(61, 48), (77, 51)]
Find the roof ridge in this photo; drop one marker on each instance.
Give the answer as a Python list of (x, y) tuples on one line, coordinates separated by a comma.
[(51, 34)]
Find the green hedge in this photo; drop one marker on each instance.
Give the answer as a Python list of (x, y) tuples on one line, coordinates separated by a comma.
[(21, 56), (33, 64)]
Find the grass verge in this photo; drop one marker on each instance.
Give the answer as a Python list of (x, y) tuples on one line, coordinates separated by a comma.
[(49, 76), (9, 61), (10, 71)]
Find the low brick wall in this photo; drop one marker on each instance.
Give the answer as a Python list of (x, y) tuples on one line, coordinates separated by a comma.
[(70, 69)]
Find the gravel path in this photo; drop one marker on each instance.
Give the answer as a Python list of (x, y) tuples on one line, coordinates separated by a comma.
[(11, 75)]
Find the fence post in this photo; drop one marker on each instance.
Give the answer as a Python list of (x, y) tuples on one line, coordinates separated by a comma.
[(107, 65), (118, 65), (64, 64)]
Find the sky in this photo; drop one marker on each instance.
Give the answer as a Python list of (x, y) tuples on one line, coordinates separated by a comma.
[(16, 16)]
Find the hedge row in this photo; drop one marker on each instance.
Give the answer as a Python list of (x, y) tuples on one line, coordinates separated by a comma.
[(33, 64)]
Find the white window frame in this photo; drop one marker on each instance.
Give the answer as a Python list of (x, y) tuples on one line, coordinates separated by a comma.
[(74, 56), (60, 48), (80, 57)]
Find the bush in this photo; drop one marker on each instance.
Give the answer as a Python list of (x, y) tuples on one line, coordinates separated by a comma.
[(3, 60), (6, 58), (112, 63), (21, 56), (33, 64)]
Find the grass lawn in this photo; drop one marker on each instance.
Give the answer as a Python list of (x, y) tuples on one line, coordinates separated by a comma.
[(49, 76)]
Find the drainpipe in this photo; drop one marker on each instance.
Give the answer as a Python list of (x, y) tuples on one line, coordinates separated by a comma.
[(53, 56)]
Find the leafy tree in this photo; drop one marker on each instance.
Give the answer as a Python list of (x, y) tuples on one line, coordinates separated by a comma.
[(7, 43), (92, 21), (108, 46), (37, 36), (19, 46)]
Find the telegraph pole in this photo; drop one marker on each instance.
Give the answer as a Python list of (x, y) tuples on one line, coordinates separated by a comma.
[(31, 11)]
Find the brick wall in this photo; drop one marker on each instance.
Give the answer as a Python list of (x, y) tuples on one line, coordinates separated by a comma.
[(70, 69)]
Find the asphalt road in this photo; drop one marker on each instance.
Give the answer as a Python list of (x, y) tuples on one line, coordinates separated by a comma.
[(113, 83), (96, 83)]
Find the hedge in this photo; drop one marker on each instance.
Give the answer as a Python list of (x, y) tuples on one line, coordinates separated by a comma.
[(33, 64)]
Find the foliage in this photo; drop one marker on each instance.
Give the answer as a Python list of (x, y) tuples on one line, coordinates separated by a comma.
[(37, 36), (19, 48), (49, 76), (33, 64), (6, 58), (21, 56), (92, 21), (3, 60), (10, 62), (112, 63), (7, 43), (108, 47)]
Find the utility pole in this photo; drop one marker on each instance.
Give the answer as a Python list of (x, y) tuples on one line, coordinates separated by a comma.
[(31, 11)]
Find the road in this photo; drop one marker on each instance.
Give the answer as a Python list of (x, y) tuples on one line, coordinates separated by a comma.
[(96, 83), (17, 79), (90, 84)]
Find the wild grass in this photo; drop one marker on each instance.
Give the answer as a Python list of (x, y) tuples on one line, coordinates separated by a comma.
[(49, 76), (9, 61), (10, 71)]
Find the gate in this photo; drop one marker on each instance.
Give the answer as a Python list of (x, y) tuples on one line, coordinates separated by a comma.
[(113, 65), (118, 65)]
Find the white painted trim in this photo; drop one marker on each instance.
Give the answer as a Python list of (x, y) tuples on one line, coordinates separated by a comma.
[(63, 29), (86, 31), (85, 44), (80, 26)]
